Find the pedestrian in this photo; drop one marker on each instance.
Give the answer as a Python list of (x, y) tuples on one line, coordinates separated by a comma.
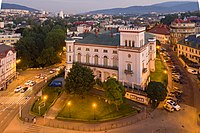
[(34, 120)]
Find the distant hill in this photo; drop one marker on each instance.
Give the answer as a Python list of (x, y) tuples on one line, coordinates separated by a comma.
[(166, 7), (16, 6)]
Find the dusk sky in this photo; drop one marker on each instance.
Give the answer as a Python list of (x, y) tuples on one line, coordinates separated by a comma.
[(80, 6)]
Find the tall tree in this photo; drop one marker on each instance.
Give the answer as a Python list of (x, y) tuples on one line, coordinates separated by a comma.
[(79, 80), (156, 91), (114, 92)]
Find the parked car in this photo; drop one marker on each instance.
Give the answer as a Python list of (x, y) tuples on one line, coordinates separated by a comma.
[(18, 89), (24, 89), (52, 71), (168, 107), (174, 105), (28, 82), (32, 83), (192, 71)]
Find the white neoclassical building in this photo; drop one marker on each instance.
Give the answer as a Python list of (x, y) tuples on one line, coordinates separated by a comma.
[(7, 65), (127, 55)]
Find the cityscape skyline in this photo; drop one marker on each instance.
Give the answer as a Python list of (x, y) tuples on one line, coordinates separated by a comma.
[(72, 6)]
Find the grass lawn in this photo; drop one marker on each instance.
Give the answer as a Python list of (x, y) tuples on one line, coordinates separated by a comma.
[(159, 75), (82, 109), (52, 94)]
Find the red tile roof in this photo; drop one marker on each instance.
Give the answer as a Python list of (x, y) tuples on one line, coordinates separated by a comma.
[(178, 20), (160, 29)]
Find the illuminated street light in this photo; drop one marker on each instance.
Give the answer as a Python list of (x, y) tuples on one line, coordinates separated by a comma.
[(94, 107), (18, 61), (158, 47), (69, 105), (165, 71)]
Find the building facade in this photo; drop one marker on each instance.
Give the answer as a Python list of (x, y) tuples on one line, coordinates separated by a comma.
[(9, 39), (7, 65), (180, 29), (162, 33), (190, 48), (128, 55)]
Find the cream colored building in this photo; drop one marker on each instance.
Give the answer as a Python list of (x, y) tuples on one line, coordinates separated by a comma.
[(7, 65), (190, 48), (9, 39), (128, 55)]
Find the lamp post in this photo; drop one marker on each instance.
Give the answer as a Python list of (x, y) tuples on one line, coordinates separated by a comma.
[(94, 107), (69, 105), (45, 98)]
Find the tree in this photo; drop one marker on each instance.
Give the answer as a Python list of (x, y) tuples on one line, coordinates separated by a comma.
[(156, 91), (114, 92), (79, 80)]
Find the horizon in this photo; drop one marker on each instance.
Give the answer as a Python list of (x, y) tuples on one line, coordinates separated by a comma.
[(54, 6)]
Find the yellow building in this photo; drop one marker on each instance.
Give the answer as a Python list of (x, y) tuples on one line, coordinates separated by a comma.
[(190, 48)]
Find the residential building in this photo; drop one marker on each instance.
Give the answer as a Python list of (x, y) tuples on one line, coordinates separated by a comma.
[(127, 54), (162, 33), (83, 28), (9, 39), (190, 48), (7, 65), (180, 29)]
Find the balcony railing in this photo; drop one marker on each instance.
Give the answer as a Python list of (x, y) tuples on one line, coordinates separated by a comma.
[(97, 65), (128, 72)]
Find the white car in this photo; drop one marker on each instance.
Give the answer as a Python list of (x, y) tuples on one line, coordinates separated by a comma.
[(174, 104), (192, 71), (168, 107), (28, 82), (18, 89)]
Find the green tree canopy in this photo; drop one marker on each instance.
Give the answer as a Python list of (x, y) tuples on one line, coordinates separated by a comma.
[(114, 92), (156, 91), (79, 80)]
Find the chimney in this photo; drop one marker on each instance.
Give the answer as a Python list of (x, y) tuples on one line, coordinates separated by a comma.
[(111, 34), (96, 34)]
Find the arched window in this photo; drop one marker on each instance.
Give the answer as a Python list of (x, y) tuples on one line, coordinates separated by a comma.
[(70, 58), (79, 57), (129, 44), (133, 43), (141, 42), (115, 61), (70, 49), (96, 59), (126, 42), (105, 61), (87, 58), (129, 67)]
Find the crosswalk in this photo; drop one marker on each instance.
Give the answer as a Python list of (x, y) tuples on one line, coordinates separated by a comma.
[(32, 129), (5, 100)]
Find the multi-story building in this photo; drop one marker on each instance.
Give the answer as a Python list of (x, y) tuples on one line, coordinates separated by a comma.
[(162, 33), (190, 48), (7, 65), (9, 39), (180, 29), (128, 55)]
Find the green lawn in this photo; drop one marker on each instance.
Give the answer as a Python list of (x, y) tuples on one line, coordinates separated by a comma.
[(52, 94), (82, 109), (159, 75)]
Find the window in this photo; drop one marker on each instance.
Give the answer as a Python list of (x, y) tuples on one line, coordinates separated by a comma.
[(96, 60), (150, 47), (87, 58), (96, 50), (105, 61), (129, 43), (115, 61), (79, 48), (126, 42), (70, 49), (141, 42), (105, 51), (70, 58), (79, 57), (87, 49), (129, 67), (114, 52), (133, 43), (129, 56)]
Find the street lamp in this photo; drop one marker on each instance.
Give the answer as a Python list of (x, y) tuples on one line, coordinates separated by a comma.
[(94, 107), (18, 61), (165, 71), (69, 105)]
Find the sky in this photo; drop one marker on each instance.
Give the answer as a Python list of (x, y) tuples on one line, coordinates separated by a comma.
[(81, 6)]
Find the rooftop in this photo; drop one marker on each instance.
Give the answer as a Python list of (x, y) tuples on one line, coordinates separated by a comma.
[(4, 49), (192, 41), (104, 37), (160, 29)]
